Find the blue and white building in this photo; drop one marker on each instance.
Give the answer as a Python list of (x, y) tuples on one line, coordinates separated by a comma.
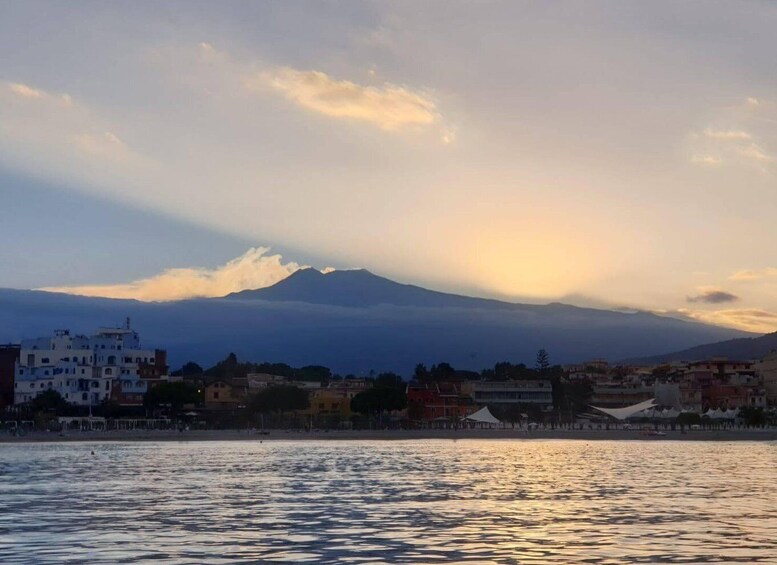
[(87, 370)]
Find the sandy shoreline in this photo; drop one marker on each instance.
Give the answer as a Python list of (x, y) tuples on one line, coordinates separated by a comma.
[(390, 435)]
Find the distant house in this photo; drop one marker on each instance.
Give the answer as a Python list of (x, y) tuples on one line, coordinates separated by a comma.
[(224, 394)]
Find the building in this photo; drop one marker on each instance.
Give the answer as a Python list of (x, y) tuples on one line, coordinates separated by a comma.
[(334, 401), (443, 400), (224, 394), (619, 394), (539, 392), (9, 355), (88, 370), (767, 369)]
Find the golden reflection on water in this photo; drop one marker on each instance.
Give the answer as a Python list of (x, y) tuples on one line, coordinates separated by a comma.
[(473, 501)]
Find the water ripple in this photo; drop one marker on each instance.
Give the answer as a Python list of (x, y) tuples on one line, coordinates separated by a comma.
[(467, 501)]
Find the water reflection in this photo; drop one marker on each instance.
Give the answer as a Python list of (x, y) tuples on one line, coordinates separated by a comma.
[(389, 502)]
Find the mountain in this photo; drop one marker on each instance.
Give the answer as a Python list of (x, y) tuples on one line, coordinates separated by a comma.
[(361, 288), (355, 321), (742, 348)]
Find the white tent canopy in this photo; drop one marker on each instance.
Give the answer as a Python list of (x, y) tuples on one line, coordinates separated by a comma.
[(627, 411), (482, 416)]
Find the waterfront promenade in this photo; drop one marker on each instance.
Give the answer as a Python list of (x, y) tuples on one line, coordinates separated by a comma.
[(768, 434)]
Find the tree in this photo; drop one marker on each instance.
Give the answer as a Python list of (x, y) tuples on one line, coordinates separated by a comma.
[(189, 368), (420, 373), (753, 417), (49, 401), (391, 380), (174, 395), (314, 373), (689, 419), (279, 398), (543, 361), (378, 399)]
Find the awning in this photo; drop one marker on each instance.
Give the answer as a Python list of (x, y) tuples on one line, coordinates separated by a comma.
[(483, 416), (627, 411)]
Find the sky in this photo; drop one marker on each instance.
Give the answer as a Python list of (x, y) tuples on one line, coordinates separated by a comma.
[(611, 154)]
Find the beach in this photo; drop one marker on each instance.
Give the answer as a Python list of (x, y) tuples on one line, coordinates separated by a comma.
[(391, 435)]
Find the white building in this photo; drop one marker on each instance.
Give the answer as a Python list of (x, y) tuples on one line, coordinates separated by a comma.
[(87, 370), (513, 392)]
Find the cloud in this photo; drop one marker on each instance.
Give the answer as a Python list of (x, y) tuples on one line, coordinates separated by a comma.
[(752, 320), (741, 141), (754, 274), (253, 269), (105, 143), (728, 146), (713, 296), (51, 128), (25, 91), (727, 134), (706, 160), (389, 107), (754, 152)]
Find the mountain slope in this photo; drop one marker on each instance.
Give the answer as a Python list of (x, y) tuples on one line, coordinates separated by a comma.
[(740, 348), (355, 322)]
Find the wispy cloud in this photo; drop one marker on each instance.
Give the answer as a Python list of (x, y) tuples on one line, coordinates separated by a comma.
[(727, 134), (21, 90), (712, 296), (706, 160), (253, 269), (389, 107), (755, 274), (51, 122), (742, 144), (25, 91), (753, 320)]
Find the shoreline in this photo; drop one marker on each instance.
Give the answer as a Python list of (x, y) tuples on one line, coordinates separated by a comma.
[(386, 435)]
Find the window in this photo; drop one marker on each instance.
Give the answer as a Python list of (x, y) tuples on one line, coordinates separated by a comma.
[(83, 396), (107, 385), (216, 395), (44, 360), (108, 371)]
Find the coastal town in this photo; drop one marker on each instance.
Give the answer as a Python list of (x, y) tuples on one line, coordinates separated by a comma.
[(110, 381)]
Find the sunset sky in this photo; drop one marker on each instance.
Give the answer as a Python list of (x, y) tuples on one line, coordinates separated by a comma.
[(618, 154)]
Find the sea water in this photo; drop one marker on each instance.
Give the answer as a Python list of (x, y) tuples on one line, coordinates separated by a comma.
[(420, 501)]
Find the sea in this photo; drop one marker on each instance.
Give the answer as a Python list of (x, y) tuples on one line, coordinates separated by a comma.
[(416, 501)]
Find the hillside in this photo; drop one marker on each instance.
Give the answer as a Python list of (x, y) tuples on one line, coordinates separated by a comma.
[(740, 348)]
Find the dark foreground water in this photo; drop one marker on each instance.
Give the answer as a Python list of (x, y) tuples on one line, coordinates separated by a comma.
[(389, 502)]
